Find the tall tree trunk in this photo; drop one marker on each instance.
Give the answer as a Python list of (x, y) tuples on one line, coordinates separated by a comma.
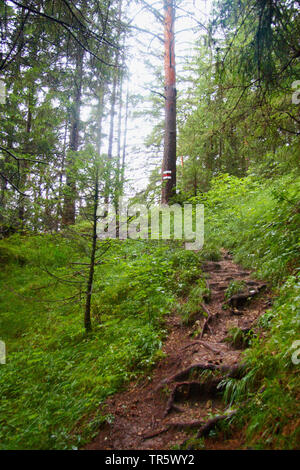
[(89, 291), (25, 165), (111, 130), (116, 78), (119, 134), (124, 143), (61, 172), (117, 191), (169, 160), (100, 109), (119, 145), (87, 313), (69, 210)]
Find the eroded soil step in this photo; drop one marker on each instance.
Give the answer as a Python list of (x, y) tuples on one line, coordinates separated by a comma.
[(217, 286), (211, 266)]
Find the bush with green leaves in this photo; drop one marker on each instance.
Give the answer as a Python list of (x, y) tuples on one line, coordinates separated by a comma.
[(187, 269), (258, 220)]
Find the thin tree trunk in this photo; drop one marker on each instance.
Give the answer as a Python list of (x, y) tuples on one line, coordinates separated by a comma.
[(118, 175), (124, 143), (87, 313), (23, 179), (169, 160), (111, 131), (59, 211), (99, 118), (116, 79), (119, 137), (69, 210), (112, 115)]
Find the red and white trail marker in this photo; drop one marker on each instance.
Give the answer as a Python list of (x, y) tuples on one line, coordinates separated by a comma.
[(167, 175)]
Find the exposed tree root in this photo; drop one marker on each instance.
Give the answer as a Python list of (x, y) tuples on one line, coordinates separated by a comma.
[(212, 423), (206, 310), (185, 390), (170, 403), (206, 324), (209, 426), (231, 371), (211, 266), (188, 387), (177, 424), (239, 300), (188, 424), (207, 297), (178, 409), (208, 346), (149, 435), (204, 430)]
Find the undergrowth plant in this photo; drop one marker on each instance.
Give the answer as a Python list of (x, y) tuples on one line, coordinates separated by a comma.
[(192, 308), (268, 395), (235, 287), (56, 379), (259, 221)]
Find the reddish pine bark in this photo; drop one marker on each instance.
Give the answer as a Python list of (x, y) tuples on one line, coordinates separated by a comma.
[(169, 160)]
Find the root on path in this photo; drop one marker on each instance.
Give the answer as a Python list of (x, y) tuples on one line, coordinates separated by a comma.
[(186, 386)]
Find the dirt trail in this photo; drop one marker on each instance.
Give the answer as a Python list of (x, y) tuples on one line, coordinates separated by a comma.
[(152, 414)]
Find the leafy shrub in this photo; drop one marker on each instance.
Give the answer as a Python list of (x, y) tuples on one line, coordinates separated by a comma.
[(259, 221)]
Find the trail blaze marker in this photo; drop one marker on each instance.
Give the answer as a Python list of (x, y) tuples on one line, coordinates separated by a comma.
[(2, 92), (2, 353), (167, 175)]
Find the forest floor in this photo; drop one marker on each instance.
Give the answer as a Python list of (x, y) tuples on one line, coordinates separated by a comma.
[(164, 412)]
